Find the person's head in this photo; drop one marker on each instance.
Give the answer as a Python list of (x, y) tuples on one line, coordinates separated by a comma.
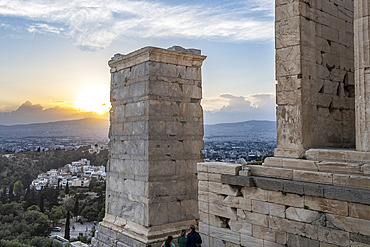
[(183, 233), (168, 241), (192, 228)]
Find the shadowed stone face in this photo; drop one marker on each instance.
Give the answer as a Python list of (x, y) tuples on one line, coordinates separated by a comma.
[(314, 69)]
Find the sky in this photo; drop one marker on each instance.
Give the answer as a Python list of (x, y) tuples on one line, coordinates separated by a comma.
[(54, 54)]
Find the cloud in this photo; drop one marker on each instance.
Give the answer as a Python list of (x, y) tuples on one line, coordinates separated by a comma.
[(35, 113), (43, 28), (240, 108), (96, 24)]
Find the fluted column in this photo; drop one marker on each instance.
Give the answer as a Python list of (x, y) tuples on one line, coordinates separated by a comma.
[(362, 73)]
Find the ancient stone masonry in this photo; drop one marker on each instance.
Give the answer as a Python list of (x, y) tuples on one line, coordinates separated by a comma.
[(156, 139), (315, 72), (362, 74), (321, 201), (307, 195)]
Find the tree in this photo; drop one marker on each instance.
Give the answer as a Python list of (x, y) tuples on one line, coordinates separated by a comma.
[(18, 189), (76, 208), (34, 207), (11, 193), (59, 180), (66, 230), (93, 230), (67, 189), (4, 198), (57, 213), (42, 204), (38, 223)]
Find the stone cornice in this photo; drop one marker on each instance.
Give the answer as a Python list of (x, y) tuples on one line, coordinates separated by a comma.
[(156, 55)]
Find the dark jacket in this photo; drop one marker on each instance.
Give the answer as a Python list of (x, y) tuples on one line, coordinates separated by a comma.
[(192, 239)]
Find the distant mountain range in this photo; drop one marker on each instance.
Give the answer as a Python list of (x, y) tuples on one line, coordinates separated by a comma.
[(84, 128), (242, 131), (98, 129)]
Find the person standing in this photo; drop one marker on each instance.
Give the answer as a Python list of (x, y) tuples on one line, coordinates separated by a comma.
[(181, 240), (193, 239), (168, 242)]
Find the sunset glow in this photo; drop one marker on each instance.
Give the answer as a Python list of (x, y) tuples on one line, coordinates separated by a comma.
[(94, 99)]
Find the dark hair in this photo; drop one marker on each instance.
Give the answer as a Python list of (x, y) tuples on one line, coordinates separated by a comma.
[(192, 227), (168, 241), (183, 233)]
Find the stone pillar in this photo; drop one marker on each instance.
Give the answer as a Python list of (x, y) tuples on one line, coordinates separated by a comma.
[(156, 140), (362, 74), (314, 70)]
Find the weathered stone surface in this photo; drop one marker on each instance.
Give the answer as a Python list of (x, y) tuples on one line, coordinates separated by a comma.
[(347, 194), (314, 177), (362, 75), (326, 205), (267, 183), (263, 233), (300, 164), (273, 161), (348, 224), (237, 180), (359, 211), (241, 226), (286, 199), (298, 241), (220, 167), (289, 226), (311, 50), (351, 181), (304, 215), (224, 189), (356, 237), (333, 236), (271, 172), (250, 241), (224, 234), (254, 193), (255, 218), (339, 167), (155, 143)]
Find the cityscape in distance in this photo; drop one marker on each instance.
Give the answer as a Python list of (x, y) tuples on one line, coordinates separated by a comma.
[(228, 142)]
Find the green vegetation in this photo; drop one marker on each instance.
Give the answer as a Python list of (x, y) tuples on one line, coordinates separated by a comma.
[(26, 215), (25, 166)]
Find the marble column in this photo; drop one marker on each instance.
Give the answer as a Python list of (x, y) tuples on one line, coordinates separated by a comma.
[(362, 74)]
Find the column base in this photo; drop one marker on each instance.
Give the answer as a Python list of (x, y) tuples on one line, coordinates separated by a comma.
[(288, 153), (115, 231)]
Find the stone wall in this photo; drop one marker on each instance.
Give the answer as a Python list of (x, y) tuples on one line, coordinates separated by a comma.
[(323, 201), (315, 73)]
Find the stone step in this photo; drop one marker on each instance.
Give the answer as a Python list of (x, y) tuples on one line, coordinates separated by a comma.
[(320, 166), (341, 155), (331, 178), (292, 163)]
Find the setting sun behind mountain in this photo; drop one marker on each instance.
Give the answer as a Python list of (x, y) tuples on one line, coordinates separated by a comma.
[(94, 99)]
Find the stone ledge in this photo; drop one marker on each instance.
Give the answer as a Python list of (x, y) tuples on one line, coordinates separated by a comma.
[(303, 175), (338, 167), (357, 237), (237, 180), (341, 155), (302, 188)]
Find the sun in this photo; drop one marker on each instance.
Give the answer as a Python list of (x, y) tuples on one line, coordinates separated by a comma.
[(94, 99)]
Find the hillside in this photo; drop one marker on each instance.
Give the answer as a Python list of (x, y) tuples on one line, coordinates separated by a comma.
[(242, 131), (88, 127)]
